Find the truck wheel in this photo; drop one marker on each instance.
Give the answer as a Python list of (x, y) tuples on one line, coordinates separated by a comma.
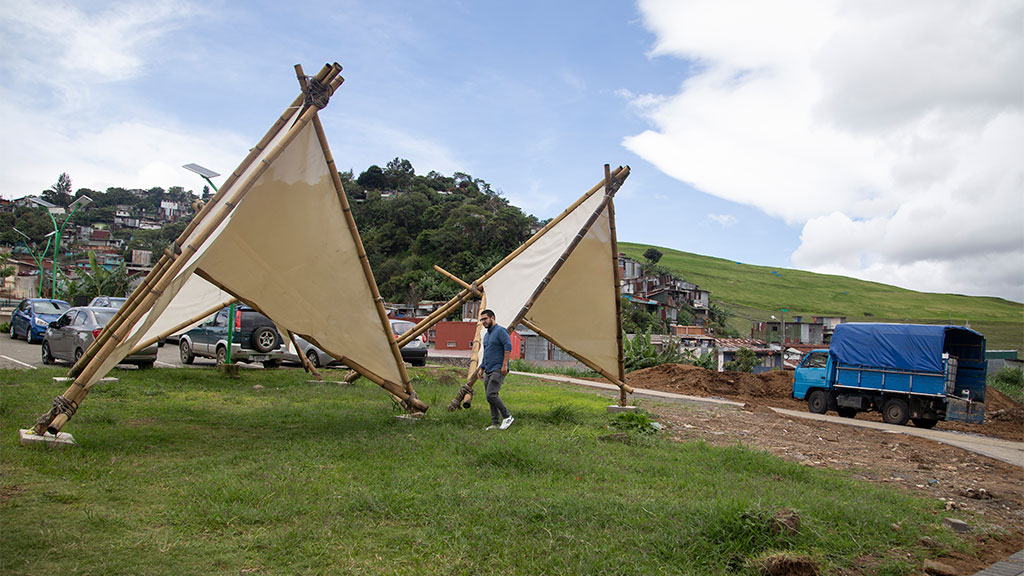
[(264, 339), (925, 422), (847, 412), (817, 402), (895, 411)]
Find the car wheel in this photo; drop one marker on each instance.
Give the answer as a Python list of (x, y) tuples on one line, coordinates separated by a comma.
[(264, 339), (47, 356), (145, 365), (313, 357), (222, 355), (28, 334), (817, 402), (419, 362), (13, 335), (185, 352), (78, 354), (895, 411)]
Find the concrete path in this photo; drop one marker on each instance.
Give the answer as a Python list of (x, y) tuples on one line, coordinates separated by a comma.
[(1005, 450)]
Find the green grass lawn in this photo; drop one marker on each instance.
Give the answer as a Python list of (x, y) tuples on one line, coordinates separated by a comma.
[(187, 472), (755, 292)]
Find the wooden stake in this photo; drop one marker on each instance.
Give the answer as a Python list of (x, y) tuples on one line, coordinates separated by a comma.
[(78, 390), (608, 376)]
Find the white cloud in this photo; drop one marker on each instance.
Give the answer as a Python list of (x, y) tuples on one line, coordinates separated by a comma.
[(724, 220), (891, 132), (62, 112)]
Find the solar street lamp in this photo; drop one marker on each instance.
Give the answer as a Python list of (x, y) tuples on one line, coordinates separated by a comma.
[(206, 173), (37, 257), (79, 203)]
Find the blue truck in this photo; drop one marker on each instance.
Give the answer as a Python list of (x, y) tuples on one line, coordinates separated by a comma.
[(915, 372)]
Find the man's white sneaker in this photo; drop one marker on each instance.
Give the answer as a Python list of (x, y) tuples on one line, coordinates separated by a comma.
[(506, 422), (491, 427)]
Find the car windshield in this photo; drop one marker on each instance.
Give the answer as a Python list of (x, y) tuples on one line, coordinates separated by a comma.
[(103, 316), (400, 328), (50, 307), (115, 302)]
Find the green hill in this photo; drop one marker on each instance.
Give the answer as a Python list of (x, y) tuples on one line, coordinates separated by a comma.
[(755, 292)]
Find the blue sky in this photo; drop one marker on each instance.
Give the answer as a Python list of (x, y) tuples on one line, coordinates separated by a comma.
[(827, 136)]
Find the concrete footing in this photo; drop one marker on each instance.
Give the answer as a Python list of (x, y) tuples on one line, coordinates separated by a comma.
[(230, 370), (64, 381), (615, 408), (414, 417), (62, 440)]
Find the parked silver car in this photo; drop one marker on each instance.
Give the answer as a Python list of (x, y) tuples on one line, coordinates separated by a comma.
[(317, 357), (68, 337)]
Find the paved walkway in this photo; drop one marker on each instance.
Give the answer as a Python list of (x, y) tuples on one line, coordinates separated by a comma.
[(1012, 566)]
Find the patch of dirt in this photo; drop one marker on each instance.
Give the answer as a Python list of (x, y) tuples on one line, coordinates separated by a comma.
[(788, 565), (1004, 418), (986, 492)]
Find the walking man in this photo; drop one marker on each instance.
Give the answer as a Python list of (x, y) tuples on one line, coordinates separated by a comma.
[(497, 347)]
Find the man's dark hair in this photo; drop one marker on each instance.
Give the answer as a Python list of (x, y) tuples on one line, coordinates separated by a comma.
[(489, 313)]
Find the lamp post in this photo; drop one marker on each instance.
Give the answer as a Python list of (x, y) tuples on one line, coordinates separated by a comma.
[(37, 258), (206, 174), (81, 202)]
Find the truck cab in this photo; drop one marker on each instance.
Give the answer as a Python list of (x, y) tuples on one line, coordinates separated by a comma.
[(811, 373)]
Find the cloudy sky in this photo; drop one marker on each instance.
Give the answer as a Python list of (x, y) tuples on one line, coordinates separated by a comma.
[(878, 140)]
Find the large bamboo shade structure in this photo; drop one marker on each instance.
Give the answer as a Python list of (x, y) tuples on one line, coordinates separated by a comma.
[(279, 236)]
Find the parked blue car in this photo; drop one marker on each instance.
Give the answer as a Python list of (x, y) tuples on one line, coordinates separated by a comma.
[(33, 316)]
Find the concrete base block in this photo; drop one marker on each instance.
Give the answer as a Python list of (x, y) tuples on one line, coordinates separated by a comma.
[(414, 417), (60, 441), (65, 382), (230, 370), (341, 382), (615, 408)]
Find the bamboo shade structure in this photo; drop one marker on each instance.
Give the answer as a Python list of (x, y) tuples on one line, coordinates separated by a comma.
[(279, 236)]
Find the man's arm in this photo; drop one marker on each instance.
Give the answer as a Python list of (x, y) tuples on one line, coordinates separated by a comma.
[(506, 342)]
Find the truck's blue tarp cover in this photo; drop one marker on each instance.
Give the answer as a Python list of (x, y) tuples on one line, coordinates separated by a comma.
[(916, 347)]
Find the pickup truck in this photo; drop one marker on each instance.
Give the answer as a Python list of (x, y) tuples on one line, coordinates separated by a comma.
[(915, 372)]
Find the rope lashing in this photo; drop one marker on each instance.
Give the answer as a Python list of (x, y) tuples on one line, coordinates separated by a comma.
[(317, 93), (61, 405)]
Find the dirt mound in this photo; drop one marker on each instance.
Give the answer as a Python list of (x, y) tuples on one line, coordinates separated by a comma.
[(756, 389)]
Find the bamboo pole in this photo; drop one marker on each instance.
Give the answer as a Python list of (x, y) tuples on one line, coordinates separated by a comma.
[(457, 280), (464, 397), (75, 393), (618, 297), (608, 376), (172, 252), (302, 357), (181, 326), (367, 272)]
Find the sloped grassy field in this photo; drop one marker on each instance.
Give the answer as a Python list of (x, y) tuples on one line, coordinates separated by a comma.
[(755, 292), (187, 472)]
